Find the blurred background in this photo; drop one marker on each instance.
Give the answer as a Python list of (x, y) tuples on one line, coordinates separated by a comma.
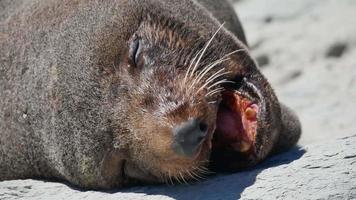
[(307, 51)]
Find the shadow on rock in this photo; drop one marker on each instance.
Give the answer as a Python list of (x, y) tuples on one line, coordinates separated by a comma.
[(221, 186)]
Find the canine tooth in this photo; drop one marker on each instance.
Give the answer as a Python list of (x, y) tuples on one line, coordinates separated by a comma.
[(250, 113)]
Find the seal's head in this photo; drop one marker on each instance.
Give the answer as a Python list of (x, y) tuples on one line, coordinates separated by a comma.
[(188, 100)]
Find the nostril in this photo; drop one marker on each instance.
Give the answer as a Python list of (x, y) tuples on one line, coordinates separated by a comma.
[(188, 136), (203, 127)]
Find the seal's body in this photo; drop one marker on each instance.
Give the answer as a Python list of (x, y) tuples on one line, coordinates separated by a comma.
[(106, 94)]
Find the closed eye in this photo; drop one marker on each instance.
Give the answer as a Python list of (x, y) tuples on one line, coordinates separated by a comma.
[(135, 51)]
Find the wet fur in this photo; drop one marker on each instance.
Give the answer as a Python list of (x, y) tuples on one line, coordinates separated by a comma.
[(63, 109)]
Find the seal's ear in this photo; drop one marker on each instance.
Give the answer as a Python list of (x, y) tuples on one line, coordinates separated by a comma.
[(290, 132)]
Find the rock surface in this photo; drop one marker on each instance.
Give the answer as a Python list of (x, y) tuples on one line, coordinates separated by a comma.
[(310, 46), (324, 170)]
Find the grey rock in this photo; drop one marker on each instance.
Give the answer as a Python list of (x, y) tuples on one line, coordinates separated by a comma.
[(262, 60), (325, 170), (336, 50)]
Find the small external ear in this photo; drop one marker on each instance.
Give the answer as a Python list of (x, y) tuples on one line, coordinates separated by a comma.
[(290, 132)]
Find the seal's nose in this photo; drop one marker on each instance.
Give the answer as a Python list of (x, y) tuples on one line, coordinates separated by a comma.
[(188, 136)]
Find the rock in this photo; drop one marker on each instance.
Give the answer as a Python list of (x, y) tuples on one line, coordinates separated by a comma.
[(336, 50), (292, 75), (325, 170), (268, 19), (299, 38), (262, 60)]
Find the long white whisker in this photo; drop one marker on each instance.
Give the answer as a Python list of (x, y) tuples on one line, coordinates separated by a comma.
[(205, 48), (220, 82), (170, 177), (211, 66), (206, 170), (215, 91), (215, 76), (207, 69), (220, 60), (177, 179), (212, 78), (181, 175), (191, 175), (190, 66), (232, 52), (196, 174)]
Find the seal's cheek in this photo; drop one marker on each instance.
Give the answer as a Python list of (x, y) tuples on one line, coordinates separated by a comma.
[(153, 138), (160, 141)]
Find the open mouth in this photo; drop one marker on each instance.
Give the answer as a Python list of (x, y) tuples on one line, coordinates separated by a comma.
[(236, 124)]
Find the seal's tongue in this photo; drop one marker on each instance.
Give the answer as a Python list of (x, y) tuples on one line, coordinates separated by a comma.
[(236, 123)]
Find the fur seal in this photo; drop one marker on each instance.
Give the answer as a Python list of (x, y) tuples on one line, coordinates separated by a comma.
[(113, 93)]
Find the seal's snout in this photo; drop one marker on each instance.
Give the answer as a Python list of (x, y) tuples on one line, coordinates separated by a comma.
[(189, 136)]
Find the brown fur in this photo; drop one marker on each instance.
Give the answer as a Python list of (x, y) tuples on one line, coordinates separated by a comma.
[(73, 107)]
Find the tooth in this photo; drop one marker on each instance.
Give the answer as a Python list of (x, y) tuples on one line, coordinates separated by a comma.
[(244, 146), (250, 113)]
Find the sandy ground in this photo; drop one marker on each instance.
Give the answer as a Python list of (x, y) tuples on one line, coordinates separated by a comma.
[(307, 49)]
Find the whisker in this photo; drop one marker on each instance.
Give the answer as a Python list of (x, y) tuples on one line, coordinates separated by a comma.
[(177, 179), (206, 170), (211, 93), (205, 48), (220, 82), (170, 177), (181, 175), (191, 175), (210, 67), (198, 175), (220, 60), (232, 52), (207, 69), (190, 66), (212, 78), (162, 177), (215, 77), (165, 177)]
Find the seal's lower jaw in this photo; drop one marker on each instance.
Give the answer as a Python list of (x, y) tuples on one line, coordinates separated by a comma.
[(236, 129), (178, 169)]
